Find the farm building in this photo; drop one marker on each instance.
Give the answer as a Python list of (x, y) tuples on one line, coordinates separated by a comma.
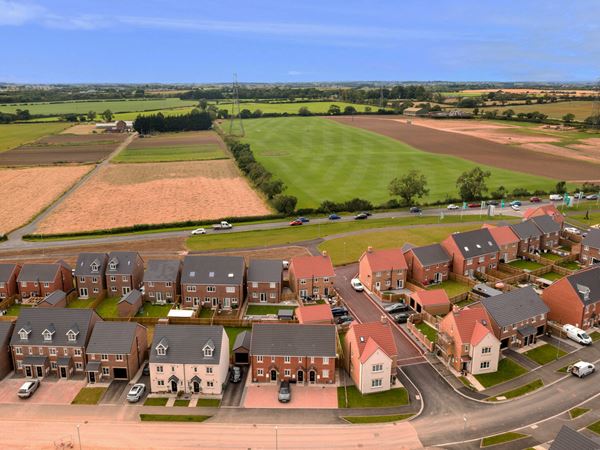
[(415, 111), (120, 126)]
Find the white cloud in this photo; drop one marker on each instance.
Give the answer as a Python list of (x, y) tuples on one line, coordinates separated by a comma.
[(13, 13)]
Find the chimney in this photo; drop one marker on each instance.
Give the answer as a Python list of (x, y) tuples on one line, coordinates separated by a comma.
[(384, 319), (370, 249), (455, 309), (324, 253)]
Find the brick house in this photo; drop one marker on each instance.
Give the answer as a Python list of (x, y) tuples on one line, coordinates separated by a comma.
[(467, 341), (189, 358), (8, 280), (472, 251), (130, 304), (124, 272), (434, 301), (162, 280), (518, 317), (264, 282), (293, 352), (373, 356), (545, 210), (550, 232), (382, 270), (58, 299), (427, 265), (590, 248), (52, 340), (89, 275), (507, 241), (314, 314), (39, 280), (213, 282), (311, 276), (530, 237), (575, 299), (116, 351), (6, 364)]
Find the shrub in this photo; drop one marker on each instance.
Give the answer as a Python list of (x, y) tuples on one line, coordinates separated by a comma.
[(520, 192), (285, 204)]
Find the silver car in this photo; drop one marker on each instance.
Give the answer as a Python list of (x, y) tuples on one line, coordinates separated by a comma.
[(136, 392), (28, 388), (285, 393)]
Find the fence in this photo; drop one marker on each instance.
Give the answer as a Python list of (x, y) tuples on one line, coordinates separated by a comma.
[(509, 269), (7, 302), (562, 270), (457, 277), (420, 336)]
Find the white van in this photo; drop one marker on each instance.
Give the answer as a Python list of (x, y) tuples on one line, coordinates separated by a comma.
[(577, 334), (582, 369), (556, 197)]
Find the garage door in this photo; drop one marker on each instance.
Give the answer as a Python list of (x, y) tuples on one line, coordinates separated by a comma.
[(120, 373)]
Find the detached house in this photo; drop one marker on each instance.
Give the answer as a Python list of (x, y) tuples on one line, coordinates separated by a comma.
[(382, 270), (575, 299), (427, 265), (124, 272), (265, 277), (518, 316), (52, 340), (293, 352), (545, 210), (162, 281), (372, 356), (530, 237), (213, 281), (550, 231), (472, 251), (189, 358), (39, 280), (507, 241), (89, 275), (8, 280), (311, 276), (590, 249)]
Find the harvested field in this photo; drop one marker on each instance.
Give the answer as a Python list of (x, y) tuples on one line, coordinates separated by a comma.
[(129, 194), (15, 134), (26, 192), (581, 109), (81, 129), (476, 149)]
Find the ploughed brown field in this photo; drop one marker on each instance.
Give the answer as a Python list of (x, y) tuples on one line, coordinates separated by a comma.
[(430, 136), (128, 194)]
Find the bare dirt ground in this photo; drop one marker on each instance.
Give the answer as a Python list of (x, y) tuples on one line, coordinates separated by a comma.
[(479, 142), (25, 192), (178, 140), (80, 129), (129, 194)]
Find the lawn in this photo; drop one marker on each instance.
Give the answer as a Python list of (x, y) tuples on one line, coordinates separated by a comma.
[(206, 313), (13, 135), (181, 402), (521, 390), (595, 335), (507, 370), (378, 419), (552, 276), (197, 152), (394, 397), (150, 310), (89, 396), (525, 265), (429, 332), (15, 309), (292, 108), (156, 401), (319, 159), (81, 303), (232, 333), (571, 265), (592, 219), (208, 403), (261, 310), (172, 418), (576, 412), (501, 438), (595, 427), (108, 307), (545, 354), (552, 256), (452, 288)]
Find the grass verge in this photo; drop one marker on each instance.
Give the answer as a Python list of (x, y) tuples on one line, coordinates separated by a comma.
[(156, 401), (208, 403), (377, 419), (576, 412), (507, 370), (172, 418), (394, 397), (595, 427), (89, 396), (521, 390), (181, 402), (501, 438)]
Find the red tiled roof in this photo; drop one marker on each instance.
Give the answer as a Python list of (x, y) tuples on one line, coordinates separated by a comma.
[(372, 335), (388, 259), (549, 210), (466, 321), (431, 297), (312, 266), (479, 332), (314, 313), (502, 235)]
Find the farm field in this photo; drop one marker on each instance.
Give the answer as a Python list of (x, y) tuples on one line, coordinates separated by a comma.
[(13, 135), (188, 146), (132, 115), (26, 192), (581, 109), (319, 159), (292, 108), (128, 194)]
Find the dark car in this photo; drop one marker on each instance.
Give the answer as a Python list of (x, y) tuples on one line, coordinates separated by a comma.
[(236, 374), (474, 205), (285, 393), (303, 219), (339, 311), (415, 209), (146, 369), (295, 222), (396, 308), (360, 216), (401, 317), (535, 199), (366, 212), (493, 202), (334, 217), (342, 319)]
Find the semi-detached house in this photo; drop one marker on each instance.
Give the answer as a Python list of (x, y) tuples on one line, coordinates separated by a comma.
[(530, 237), (472, 251), (8, 280), (382, 270), (311, 276), (550, 232), (265, 277), (89, 275), (162, 281), (507, 241), (429, 264), (590, 248), (39, 280), (124, 272)]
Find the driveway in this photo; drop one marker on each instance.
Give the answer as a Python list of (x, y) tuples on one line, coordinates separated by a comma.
[(234, 391), (50, 392), (314, 397), (115, 393)]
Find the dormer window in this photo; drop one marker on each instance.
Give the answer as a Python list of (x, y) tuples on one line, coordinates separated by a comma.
[(47, 335), (211, 274), (112, 266), (71, 336), (94, 267), (161, 351), (208, 352), (24, 335)]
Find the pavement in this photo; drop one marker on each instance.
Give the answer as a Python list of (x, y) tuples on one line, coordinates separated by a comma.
[(312, 397), (51, 391)]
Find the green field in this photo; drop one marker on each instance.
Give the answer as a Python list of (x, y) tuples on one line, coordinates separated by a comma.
[(16, 134), (319, 159), (292, 108), (581, 109), (199, 152), (165, 112)]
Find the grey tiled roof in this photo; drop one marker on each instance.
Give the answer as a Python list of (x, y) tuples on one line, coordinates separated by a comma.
[(514, 306), (591, 240), (162, 270), (546, 224), (569, 439), (431, 254), (132, 297), (112, 338), (186, 343), (38, 272), (213, 270), (126, 262), (242, 340), (406, 247), (6, 329), (586, 279), (526, 230), (6, 269), (475, 243), (55, 297), (265, 270), (93, 366), (293, 340), (83, 267)]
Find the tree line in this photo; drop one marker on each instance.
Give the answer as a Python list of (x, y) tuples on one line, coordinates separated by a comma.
[(196, 120)]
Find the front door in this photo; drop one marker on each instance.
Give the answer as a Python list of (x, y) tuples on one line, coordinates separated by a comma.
[(263, 297), (300, 376), (326, 292), (28, 371), (377, 285), (196, 387), (438, 277), (63, 372), (173, 386), (215, 302), (505, 257), (83, 292), (399, 284), (273, 375), (39, 371), (91, 376), (312, 376)]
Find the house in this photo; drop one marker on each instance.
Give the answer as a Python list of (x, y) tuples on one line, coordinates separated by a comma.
[(507, 241), (434, 301), (575, 299), (472, 251), (530, 237), (58, 299), (162, 281), (6, 331), (518, 317), (189, 358), (429, 264), (314, 314), (311, 276), (39, 280), (8, 280), (213, 281), (124, 272), (545, 210), (116, 351), (129, 304), (467, 341), (550, 231), (89, 275), (382, 270), (570, 439), (293, 352), (590, 249), (120, 126), (264, 282), (371, 356), (415, 111), (52, 340), (241, 348)]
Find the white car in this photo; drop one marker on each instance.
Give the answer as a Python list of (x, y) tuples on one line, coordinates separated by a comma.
[(136, 392), (592, 197), (556, 197), (28, 388), (452, 207), (357, 285), (572, 230), (515, 207), (582, 369), (198, 231)]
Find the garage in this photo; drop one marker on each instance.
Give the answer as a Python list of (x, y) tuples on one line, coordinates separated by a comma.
[(120, 373)]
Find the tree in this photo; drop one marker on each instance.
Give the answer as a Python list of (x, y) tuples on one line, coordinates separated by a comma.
[(508, 113), (91, 115), (202, 104), (272, 188), (223, 114), (349, 110), (304, 111), (334, 110), (367, 109), (257, 113), (568, 118), (285, 204), (107, 115), (499, 193), (561, 187), (438, 97), (413, 184), (471, 184), (245, 114)]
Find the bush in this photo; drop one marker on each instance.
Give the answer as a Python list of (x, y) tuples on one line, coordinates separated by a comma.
[(520, 192), (195, 120), (285, 204)]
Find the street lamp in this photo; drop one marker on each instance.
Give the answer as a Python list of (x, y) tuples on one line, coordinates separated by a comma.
[(276, 439), (78, 437), (465, 427)]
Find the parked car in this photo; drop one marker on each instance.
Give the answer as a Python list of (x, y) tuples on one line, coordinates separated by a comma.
[(146, 369), (285, 393), (493, 202), (339, 311), (357, 285), (452, 207), (295, 222), (396, 308), (535, 200), (360, 216), (515, 207), (236, 374), (474, 205), (516, 203), (577, 334), (343, 319), (401, 317), (592, 197), (582, 369), (572, 230), (579, 195), (28, 388), (415, 210), (334, 217), (555, 197), (198, 231), (136, 392)]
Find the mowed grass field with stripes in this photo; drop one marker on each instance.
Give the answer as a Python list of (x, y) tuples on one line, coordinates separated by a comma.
[(319, 159)]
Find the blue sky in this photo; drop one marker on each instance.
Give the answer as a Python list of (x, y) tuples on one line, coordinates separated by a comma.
[(60, 41)]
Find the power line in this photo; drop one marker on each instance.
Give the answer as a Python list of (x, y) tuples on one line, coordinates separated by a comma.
[(236, 117)]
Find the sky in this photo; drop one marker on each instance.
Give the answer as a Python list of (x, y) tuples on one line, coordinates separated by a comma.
[(204, 41)]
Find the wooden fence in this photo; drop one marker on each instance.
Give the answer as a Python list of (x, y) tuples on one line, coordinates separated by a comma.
[(457, 277), (7, 302), (420, 336)]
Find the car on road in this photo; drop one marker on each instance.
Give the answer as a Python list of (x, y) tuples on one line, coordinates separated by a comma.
[(146, 369), (452, 207), (343, 319), (293, 223), (415, 210), (572, 230), (236, 374), (357, 285), (401, 317), (535, 200), (582, 369), (493, 202), (474, 205), (591, 197), (515, 203), (515, 207), (337, 311), (360, 216), (198, 231), (28, 388), (334, 217), (285, 393), (367, 213), (303, 219), (136, 392), (555, 197), (396, 308)]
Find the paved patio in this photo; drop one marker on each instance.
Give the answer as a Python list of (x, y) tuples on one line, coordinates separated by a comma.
[(315, 396), (50, 392)]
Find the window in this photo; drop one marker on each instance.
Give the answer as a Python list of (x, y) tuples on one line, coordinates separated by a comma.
[(378, 382), (209, 370), (66, 351), (326, 279), (315, 290), (161, 351), (254, 284), (53, 351), (118, 357), (104, 357), (78, 366), (159, 369), (377, 368), (124, 278), (484, 365), (312, 359), (23, 283), (150, 283), (465, 347), (23, 335), (82, 279), (172, 368), (77, 352), (208, 352), (209, 384), (46, 285), (259, 359), (19, 364), (470, 261), (191, 288), (41, 350), (113, 278), (300, 360), (211, 289), (302, 281), (485, 350), (53, 365), (113, 289), (94, 279), (71, 336), (287, 359), (481, 259), (18, 351), (105, 371), (161, 382), (325, 373), (272, 359), (230, 289), (273, 295), (272, 285), (30, 350), (287, 373), (325, 360), (168, 284), (96, 290), (259, 372), (255, 295)]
